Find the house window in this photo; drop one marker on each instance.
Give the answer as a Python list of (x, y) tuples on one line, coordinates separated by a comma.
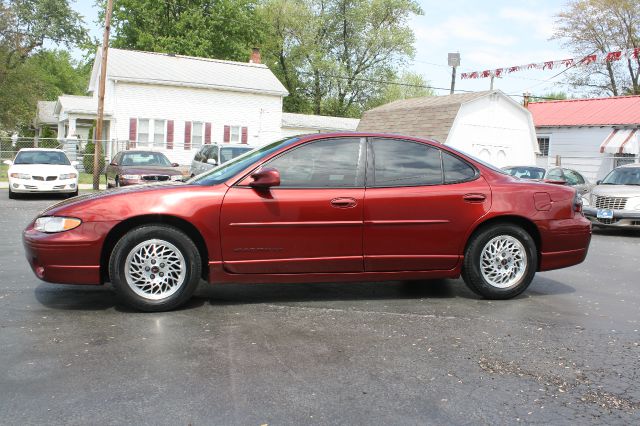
[(143, 131), (543, 145), (159, 127), (235, 134), (196, 134), (621, 159)]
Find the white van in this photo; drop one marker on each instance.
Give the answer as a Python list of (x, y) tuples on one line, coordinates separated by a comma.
[(210, 156)]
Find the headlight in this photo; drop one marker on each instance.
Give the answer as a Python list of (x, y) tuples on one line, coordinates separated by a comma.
[(68, 176), (51, 224), (132, 177), (20, 176), (176, 177)]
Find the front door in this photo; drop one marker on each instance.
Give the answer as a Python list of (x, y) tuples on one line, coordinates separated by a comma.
[(311, 223), (419, 204)]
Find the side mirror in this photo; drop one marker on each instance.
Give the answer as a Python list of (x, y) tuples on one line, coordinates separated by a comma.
[(212, 161), (598, 182), (174, 164), (265, 178), (8, 162), (113, 163)]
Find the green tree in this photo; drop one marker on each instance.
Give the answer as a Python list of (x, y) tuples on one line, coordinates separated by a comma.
[(43, 76), (222, 29), (407, 85), (602, 26), (335, 53), (27, 72)]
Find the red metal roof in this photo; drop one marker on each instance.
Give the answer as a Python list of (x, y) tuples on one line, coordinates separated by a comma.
[(621, 110)]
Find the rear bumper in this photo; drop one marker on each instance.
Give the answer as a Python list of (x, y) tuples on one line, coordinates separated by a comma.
[(621, 218), (564, 242), (71, 257)]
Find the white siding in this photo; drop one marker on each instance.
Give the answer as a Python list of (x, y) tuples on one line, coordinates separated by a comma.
[(579, 149), (261, 114), (496, 130)]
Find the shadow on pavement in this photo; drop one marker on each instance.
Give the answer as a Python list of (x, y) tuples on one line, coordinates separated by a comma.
[(96, 298)]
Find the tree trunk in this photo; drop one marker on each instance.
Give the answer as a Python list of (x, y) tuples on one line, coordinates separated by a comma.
[(612, 78)]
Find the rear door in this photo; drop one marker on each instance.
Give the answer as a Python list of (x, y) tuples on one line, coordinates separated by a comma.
[(311, 223), (419, 204)]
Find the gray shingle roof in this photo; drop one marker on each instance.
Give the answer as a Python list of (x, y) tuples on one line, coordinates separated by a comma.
[(429, 117), (163, 68), (319, 122)]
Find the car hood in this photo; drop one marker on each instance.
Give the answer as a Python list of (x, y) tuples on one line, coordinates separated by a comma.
[(150, 170), (42, 169), (107, 194), (616, 191)]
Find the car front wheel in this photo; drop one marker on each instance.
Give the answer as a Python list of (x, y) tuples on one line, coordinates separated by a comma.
[(155, 268), (500, 262)]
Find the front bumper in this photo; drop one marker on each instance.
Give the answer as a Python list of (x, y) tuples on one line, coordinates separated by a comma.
[(31, 186), (621, 218), (71, 257)]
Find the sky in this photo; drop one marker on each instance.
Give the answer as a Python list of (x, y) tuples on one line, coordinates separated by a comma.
[(488, 34)]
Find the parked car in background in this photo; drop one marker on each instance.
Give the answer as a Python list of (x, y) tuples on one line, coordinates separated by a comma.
[(42, 170), (322, 207), (135, 167), (210, 156), (552, 175), (615, 201)]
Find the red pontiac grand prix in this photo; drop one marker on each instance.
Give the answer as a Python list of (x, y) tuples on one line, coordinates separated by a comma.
[(332, 207)]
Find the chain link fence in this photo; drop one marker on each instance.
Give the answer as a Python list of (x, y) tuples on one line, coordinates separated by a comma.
[(592, 167)]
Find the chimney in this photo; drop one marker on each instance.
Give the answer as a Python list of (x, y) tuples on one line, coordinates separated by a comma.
[(255, 56)]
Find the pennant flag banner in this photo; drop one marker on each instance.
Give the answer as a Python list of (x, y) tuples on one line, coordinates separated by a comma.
[(551, 65)]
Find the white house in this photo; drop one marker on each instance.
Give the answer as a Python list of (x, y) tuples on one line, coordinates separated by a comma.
[(589, 135), (300, 124), (488, 125), (175, 103)]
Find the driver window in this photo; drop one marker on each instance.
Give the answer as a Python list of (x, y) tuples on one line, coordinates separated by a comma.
[(332, 163)]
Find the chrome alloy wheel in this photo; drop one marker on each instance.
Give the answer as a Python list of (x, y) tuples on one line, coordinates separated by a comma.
[(503, 261), (155, 269)]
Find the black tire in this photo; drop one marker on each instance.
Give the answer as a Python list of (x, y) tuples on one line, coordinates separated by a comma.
[(12, 195), (106, 179), (140, 297), (73, 194), (522, 276), (117, 182)]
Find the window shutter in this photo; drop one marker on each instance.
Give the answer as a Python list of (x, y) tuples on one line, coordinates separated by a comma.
[(169, 134), (133, 132), (245, 134), (207, 133), (227, 133), (187, 135)]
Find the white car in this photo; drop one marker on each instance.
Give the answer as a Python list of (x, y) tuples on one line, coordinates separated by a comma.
[(42, 170)]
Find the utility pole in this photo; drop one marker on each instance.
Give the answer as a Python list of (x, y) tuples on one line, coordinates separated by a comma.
[(97, 155), (454, 62)]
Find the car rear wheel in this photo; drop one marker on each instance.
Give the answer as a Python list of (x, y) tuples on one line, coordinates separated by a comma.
[(500, 262), (155, 268)]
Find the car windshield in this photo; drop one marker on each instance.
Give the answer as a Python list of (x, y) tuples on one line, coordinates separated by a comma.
[(227, 170), (525, 172), (145, 159), (42, 157), (228, 152), (623, 176)]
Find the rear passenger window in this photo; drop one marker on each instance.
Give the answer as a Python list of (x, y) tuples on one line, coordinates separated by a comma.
[(456, 170), (405, 163)]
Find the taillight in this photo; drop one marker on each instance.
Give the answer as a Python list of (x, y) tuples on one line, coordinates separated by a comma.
[(577, 203)]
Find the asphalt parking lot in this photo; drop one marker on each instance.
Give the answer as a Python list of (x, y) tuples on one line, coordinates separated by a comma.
[(566, 352)]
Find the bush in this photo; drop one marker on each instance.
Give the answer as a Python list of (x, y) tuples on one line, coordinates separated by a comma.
[(87, 158)]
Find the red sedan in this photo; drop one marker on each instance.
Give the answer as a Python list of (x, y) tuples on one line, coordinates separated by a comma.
[(333, 207)]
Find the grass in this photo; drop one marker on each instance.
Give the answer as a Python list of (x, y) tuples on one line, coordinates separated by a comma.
[(83, 178)]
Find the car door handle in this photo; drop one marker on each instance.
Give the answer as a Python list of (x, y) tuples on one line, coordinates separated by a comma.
[(474, 198), (343, 202)]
